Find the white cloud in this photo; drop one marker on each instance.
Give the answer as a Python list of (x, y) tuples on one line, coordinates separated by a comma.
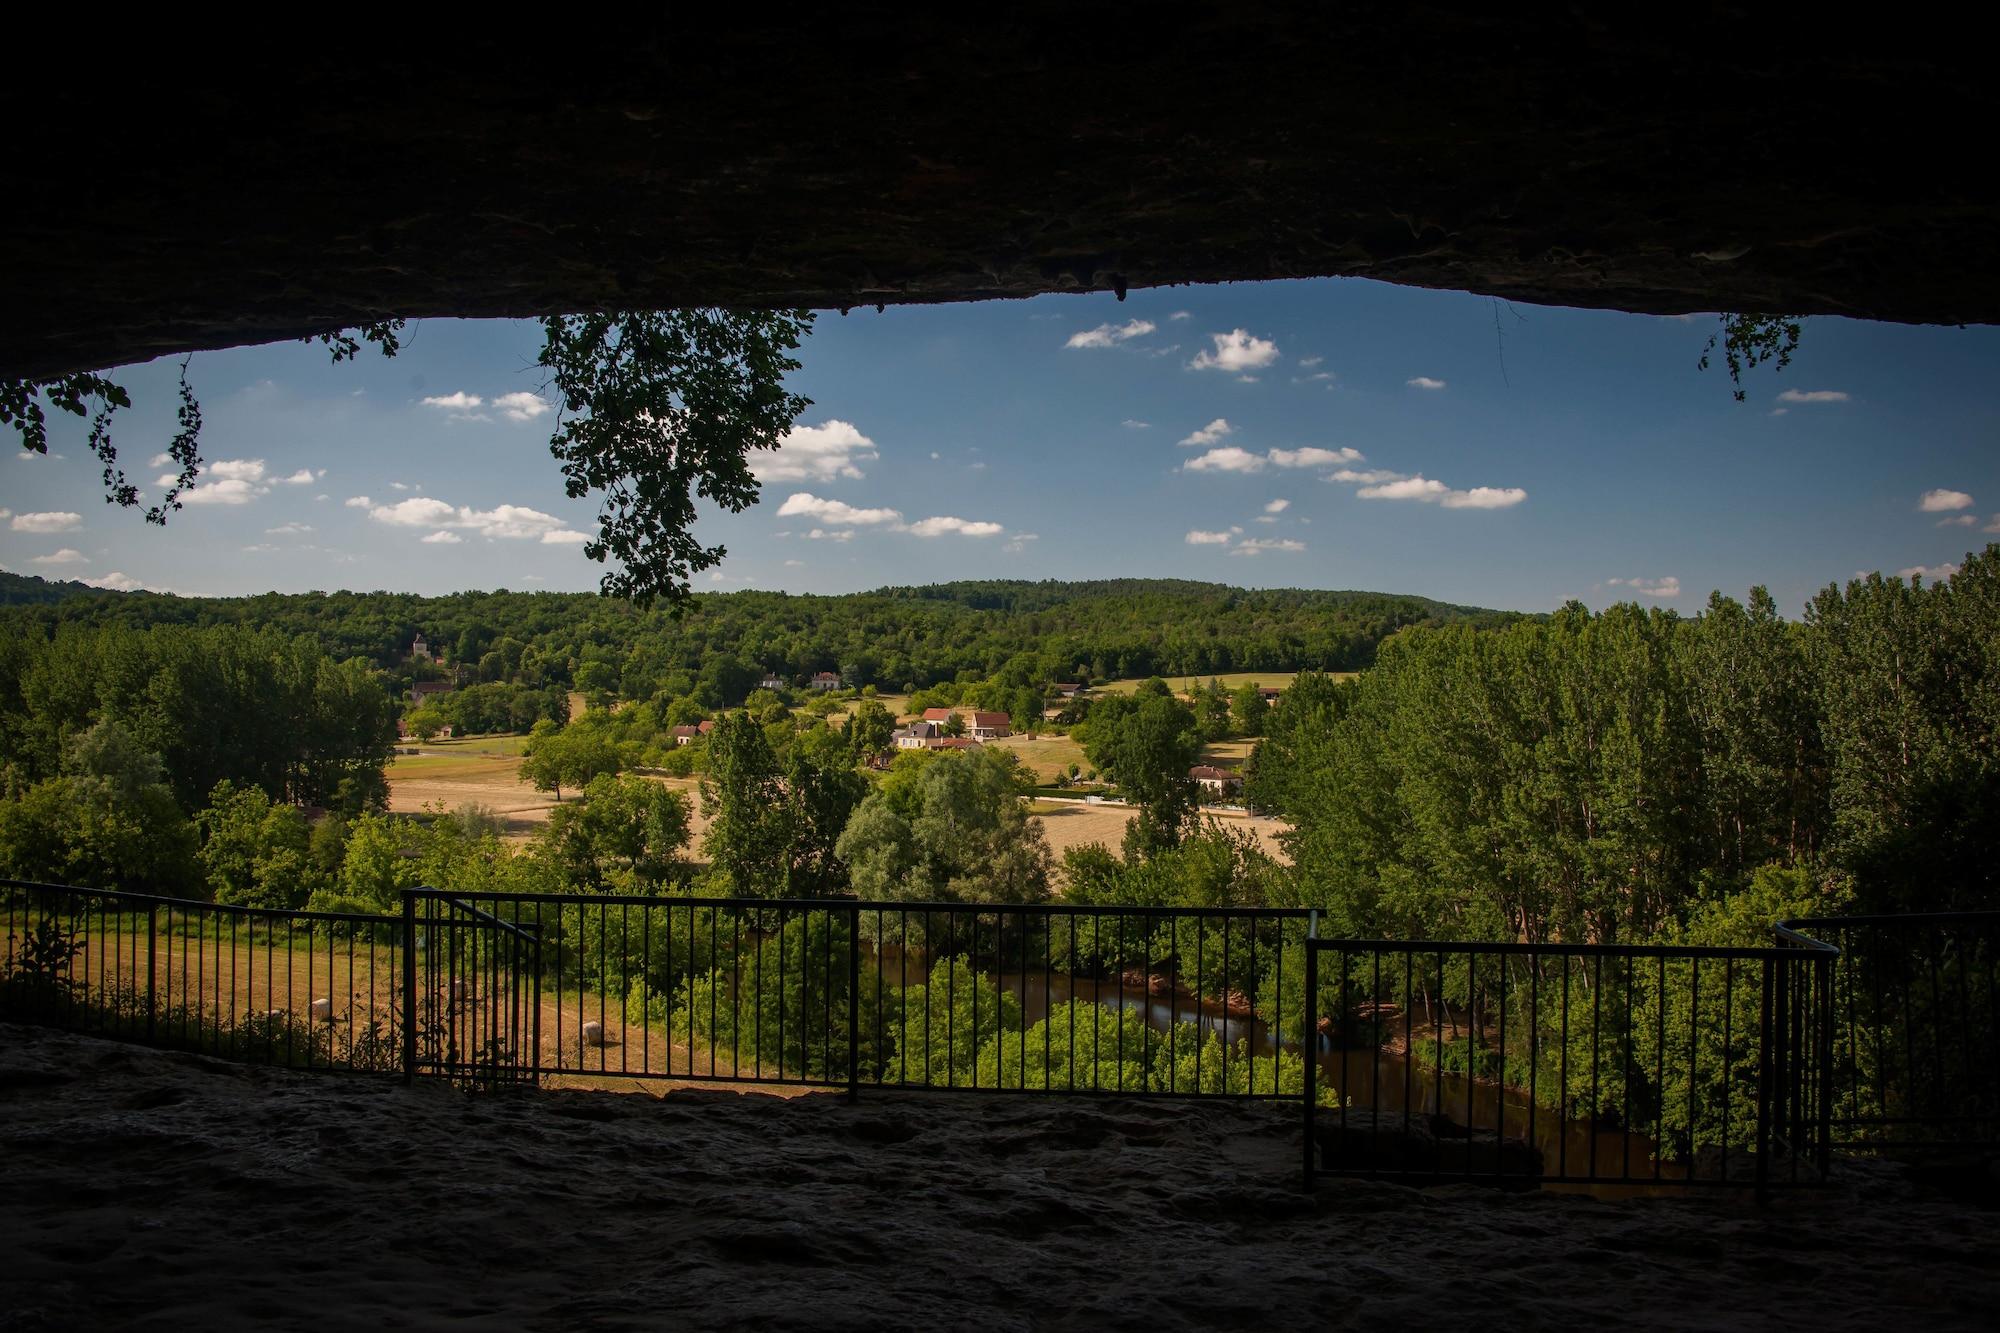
[(1485, 497), (1128, 423), (1253, 546), (795, 564), (565, 537), (1110, 335), (6, 513), (1943, 501), (1314, 457), (822, 535), (1935, 573), (1436, 492), (1778, 411), (1277, 506), (503, 522), (816, 453), (941, 524), (116, 582), (399, 486), (835, 511), (1180, 314), (1310, 361), (1960, 521), (288, 530), (160, 460), (442, 537), (1209, 434), (56, 520), (235, 469), (1019, 541), (456, 402), (357, 502), (1812, 396), (305, 476), (1424, 382), (1200, 538), (1237, 351), (1670, 586), (418, 512), (68, 555), (1230, 459), (1993, 524), (1371, 477), (521, 406), (228, 491)]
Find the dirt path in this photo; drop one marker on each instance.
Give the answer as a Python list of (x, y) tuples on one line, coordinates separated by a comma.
[(161, 1191)]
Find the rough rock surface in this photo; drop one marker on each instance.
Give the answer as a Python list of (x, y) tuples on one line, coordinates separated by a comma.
[(176, 188), (157, 1190)]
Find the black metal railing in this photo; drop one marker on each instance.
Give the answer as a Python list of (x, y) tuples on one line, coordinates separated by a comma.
[(1914, 1043), (844, 994), (307, 989), (1569, 1064), (1553, 1064)]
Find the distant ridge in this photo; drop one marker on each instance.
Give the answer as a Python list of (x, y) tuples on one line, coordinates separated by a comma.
[(34, 590)]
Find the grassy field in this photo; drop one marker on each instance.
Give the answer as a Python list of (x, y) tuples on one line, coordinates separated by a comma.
[(511, 744), (1068, 825), (1045, 756)]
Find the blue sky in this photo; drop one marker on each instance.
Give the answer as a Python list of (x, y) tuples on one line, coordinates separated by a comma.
[(1331, 434)]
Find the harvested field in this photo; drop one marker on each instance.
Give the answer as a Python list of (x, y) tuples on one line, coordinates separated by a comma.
[(1073, 825), (167, 1191)]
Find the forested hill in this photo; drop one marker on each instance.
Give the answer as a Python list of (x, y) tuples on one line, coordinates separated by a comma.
[(28, 590), (890, 637)]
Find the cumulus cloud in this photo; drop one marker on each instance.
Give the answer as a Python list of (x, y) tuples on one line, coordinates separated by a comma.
[(1237, 352), (1424, 382), (565, 537), (228, 491), (1485, 497), (1200, 538), (1180, 314), (1369, 477), (1428, 491), (236, 469), (822, 535), (835, 511), (443, 537), (54, 520), (1019, 541), (1210, 434), (358, 502), (1992, 525), (462, 406), (1812, 396), (1942, 501), (521, 405), (1231, 459), (1314, 457), (817, 453), (503, 522), (1253, 546), (1959, 521), (1110, 335), (1670, 586), (1129, 423), (68, 555), (1310, 361), (1935, 573), (941, 524), (305, 476), (1277, 506), (116, 582)]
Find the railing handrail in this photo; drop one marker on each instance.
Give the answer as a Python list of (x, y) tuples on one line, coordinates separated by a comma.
[(1888, 919), (513, 928), (866, 905), (1517, 948), (197, 904)]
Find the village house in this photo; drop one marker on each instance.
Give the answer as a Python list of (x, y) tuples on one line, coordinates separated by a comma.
[(977, 725), (826, 680), (1270, 694), (688, 735), (424, 691), (1067, 689), (1217, 781), (420, 651), (773, 682), (917, 736)]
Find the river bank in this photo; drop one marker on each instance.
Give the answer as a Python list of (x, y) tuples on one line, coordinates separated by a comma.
[(154, 1190)]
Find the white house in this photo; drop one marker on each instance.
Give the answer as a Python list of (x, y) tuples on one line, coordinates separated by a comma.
[(826, 680)]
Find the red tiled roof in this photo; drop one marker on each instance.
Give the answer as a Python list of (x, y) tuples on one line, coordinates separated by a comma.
[(938, 714), (1209, 773), (989, 720)]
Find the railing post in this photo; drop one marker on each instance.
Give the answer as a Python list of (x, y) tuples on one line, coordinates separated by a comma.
[(1766, 1073), (1309, 1044), (152, 967), (409, 986), (854, 1004), (1823, 1129)]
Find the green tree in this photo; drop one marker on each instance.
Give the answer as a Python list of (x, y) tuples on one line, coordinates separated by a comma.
[(744, 795), (627, 834), (1247, 709), (1147, 743), (254, 852)]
